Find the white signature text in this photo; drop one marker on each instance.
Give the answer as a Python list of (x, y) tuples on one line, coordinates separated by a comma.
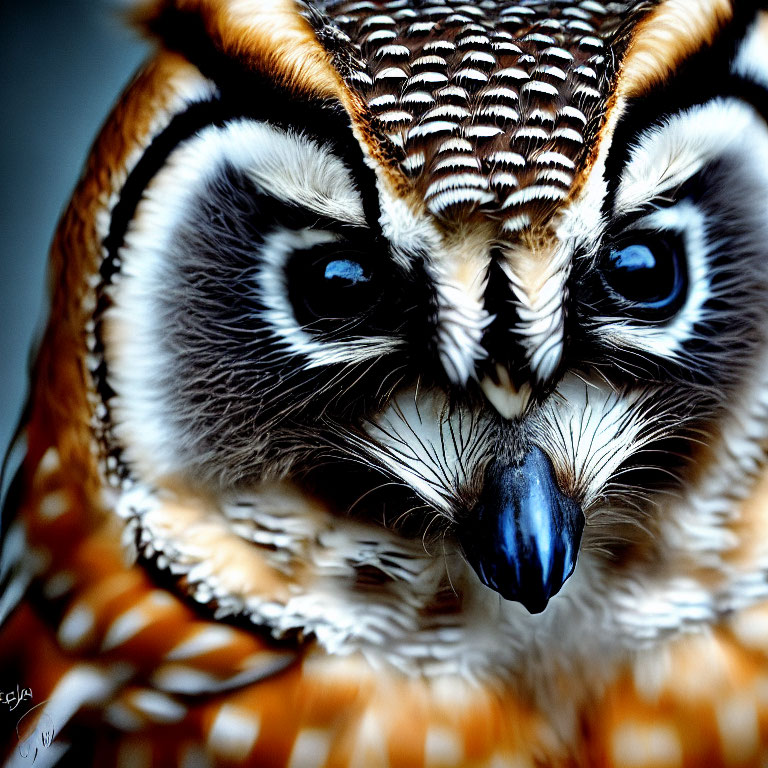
[(12, 699)]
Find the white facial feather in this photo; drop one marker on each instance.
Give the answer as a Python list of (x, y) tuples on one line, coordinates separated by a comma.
[(588, 430), (662, 159), (540, 305), (689, 222), (666, 156), (461, 315), (459, 272), (284, 165), (462, 321), (509, 400), (426, 445), (272, 290), (321, 558), (408, 233), (185, 88), (751, 61)]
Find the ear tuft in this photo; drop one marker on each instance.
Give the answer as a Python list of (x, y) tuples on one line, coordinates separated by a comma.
[(268, 37), (668, 36)]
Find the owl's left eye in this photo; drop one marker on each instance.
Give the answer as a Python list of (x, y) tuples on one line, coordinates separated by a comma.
[(332, 285), (648, 274)]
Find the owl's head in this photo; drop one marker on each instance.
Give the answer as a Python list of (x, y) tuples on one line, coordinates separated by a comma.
[(394, 306)]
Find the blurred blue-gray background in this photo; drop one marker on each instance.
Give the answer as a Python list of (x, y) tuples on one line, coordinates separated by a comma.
[(62, 65)]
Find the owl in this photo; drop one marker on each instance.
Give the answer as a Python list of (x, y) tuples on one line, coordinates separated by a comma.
[(404, 400)]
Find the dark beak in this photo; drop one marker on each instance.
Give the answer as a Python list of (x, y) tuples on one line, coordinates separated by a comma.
[(523, 536)]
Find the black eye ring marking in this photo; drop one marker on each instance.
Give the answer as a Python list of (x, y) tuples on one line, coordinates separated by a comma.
[(646, 274)]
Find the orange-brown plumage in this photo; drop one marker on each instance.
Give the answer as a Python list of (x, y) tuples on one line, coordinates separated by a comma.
[(164, 680)]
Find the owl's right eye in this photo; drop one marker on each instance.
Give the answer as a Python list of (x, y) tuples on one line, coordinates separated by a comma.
[(332, 282)]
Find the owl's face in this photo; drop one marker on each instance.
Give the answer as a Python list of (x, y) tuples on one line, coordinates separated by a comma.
[(415, 304)]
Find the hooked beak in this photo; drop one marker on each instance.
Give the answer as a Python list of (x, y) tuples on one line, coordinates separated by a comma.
[(523, 536)]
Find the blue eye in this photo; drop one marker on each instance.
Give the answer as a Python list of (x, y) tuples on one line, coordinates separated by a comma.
[(346, 271), (634, 258), (649, 274), (332, 284)]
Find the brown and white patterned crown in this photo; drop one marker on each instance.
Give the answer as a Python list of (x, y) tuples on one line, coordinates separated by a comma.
[(490, 105)]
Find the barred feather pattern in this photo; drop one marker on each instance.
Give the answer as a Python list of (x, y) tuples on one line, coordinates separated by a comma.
[(489, 106)]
